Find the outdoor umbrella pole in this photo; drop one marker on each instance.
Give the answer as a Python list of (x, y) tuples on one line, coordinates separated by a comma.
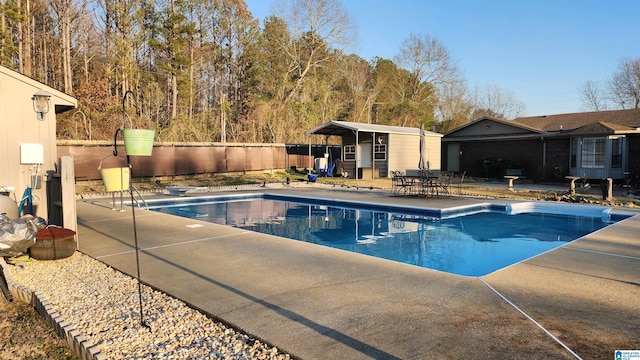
[(421, 162)]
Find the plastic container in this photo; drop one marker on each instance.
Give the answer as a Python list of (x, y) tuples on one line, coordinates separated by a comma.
[(320, 163), (116, 179), (53, 243), (9, 207), (138, 142)]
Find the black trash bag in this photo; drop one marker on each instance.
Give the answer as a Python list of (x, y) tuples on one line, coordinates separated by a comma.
[(17, 236)]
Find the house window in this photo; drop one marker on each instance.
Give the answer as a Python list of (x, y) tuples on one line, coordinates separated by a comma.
[(616, 153), (574, 152), (349, 215), (380, 152), (593, 152), (349, 152)]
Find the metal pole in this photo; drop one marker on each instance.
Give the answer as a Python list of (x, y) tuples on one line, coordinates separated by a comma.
[(373, 155), (310, 163), (357, 155), (133, 210), (135, 238)]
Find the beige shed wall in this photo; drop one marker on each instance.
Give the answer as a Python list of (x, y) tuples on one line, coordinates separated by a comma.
[(404, 152), (434, 149), (19, 124)]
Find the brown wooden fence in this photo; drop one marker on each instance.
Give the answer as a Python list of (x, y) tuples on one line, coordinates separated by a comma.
[(170, 159)]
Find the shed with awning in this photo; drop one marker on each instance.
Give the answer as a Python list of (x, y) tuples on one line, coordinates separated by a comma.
[(372, 151)]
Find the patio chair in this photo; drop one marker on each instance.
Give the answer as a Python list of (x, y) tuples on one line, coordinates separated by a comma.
[(459, 181), (395, 183), (328, 171), (428, 183), (400, 184), (444, 181)]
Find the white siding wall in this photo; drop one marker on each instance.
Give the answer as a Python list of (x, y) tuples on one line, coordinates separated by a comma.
[(404, 152), (18, 124)]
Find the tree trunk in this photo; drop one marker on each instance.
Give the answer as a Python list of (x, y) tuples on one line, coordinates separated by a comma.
[(191, 82), (3, 25), (20, 42), (174, 78), (174, 96), (45, 55), (27, 38), (64, 26)]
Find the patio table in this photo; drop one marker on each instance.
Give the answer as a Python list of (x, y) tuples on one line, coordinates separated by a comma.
[(423, 184)]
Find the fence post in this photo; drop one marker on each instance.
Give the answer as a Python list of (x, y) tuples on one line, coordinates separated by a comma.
[(68, 186), (606, 186)]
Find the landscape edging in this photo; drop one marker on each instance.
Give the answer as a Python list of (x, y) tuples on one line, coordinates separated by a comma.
[(78, 343)]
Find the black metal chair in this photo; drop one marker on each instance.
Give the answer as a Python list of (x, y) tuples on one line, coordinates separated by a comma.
[(400, 184), (459, 182), (444, 182)]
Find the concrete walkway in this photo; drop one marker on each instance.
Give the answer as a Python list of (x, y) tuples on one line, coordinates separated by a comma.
[(582, 300)]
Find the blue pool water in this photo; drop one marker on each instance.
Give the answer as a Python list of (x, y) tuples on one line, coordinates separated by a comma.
[(472, 241)]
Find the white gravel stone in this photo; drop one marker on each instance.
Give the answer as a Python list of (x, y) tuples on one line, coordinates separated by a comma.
[(102, 304)]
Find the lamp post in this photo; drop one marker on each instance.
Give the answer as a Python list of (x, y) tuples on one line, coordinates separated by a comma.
[(41, 103)]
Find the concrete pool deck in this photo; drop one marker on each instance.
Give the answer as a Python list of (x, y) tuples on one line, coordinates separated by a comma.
[(314, 302)]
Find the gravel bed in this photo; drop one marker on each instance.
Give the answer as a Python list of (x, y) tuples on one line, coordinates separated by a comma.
[(103, 304)]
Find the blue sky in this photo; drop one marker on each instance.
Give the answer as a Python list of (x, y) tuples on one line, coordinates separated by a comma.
[(541, 50)]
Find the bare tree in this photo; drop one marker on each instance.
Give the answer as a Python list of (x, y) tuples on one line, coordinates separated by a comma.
[(430, 70), (121, 28), (315, 25), (84, 40), (357, 73), (63, 10), (592, 96), (495, 102), (428, 60), (624, 85), (454, 106), (24, 42)]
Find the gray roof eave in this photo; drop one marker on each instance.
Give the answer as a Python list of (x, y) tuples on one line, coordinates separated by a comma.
[(493, 137), (340, 128), (545, 135)]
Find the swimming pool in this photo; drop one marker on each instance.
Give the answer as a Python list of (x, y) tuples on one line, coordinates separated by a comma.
[(470, 240)]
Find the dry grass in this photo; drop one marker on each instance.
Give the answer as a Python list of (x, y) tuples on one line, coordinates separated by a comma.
[(471, 187), (24, 334), (230, 179)]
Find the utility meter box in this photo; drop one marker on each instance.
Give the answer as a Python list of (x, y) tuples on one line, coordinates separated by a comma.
[(31, 154)]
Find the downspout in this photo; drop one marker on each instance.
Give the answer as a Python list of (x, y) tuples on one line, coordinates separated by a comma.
[(357, 157), (285, 158), (544, 158), (326, 149), (373, 155), (310, 156)]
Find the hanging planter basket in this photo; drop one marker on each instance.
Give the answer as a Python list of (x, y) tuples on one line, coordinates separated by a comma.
[(138, 142), (115, 179)]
